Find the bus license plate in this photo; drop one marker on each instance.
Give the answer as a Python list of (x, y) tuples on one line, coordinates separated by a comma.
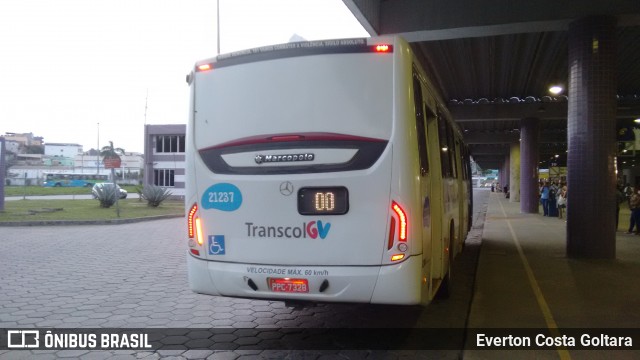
[(289, 285)]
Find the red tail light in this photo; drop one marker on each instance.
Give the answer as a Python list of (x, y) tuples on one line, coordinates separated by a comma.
[(286, 138), (191, 221), (194, 225), (383, 48), (402, 217)]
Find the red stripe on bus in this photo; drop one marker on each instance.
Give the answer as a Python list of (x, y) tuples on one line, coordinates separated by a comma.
[(278, 138)]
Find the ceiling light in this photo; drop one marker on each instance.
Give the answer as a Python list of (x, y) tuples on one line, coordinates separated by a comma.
[(556, 89)]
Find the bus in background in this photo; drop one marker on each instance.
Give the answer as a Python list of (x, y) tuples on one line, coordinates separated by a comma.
[(73, 180), (323, 171)]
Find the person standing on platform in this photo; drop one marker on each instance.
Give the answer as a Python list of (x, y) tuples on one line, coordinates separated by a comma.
[(562, 201), (628, 191), (544, 198), (553, 205), (634, 205)]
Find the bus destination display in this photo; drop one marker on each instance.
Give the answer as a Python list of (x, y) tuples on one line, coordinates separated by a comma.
[(323, 200)]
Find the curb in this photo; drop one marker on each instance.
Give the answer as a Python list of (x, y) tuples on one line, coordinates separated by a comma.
[(87, 222)]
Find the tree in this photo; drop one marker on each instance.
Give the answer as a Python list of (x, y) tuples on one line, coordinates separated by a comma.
[(111, 155), (112, 160), (109, 151)]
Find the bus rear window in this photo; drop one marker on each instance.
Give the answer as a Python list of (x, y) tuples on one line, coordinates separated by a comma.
[(332, 93)]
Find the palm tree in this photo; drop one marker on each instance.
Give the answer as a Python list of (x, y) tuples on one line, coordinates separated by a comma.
[(109, 153)]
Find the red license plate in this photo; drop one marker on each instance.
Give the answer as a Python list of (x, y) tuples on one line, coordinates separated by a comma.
[(289, 285)]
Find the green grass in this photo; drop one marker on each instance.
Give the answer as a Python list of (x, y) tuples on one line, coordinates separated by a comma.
[(41, 190), (36, 210)]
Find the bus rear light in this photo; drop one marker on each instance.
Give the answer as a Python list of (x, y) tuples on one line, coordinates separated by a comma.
[(205, 67), (191, 224), (392, 233), (286, 138), (199, 231), (397, 257), (195, 252), (402, 217), (383, 48), (194, 225)]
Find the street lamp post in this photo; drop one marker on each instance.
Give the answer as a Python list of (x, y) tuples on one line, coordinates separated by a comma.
[(98, 156)]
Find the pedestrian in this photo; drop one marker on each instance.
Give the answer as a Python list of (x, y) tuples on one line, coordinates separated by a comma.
[(628, 191), (634, 205), (562, 201), (553, 194), (544, 198)]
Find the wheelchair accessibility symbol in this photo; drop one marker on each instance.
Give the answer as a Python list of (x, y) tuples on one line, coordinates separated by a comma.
[(216, 244)]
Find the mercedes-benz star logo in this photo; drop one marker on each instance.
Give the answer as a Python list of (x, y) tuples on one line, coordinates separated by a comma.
[(286, 188)]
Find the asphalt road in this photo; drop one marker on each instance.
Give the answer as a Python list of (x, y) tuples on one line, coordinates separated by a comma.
[(134, 276)]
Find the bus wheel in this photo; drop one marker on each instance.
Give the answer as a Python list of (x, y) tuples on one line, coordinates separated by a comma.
[(446, 287), (57, 185)]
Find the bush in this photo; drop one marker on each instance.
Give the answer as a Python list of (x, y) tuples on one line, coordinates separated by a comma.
[(106, 196), (138, 189), (155, 195)]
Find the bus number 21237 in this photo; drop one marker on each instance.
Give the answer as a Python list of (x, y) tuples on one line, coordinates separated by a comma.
[(220, 197)]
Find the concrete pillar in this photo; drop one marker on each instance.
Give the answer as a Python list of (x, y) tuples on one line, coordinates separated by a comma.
[(529, 157), (592, 138), (148, 157), (2, 171), (514, 181), (507, 174)]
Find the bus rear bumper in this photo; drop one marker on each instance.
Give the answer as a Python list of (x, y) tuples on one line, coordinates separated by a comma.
[(390, 284)]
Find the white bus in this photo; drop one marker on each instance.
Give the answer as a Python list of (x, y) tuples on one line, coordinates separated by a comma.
[(323, 171)]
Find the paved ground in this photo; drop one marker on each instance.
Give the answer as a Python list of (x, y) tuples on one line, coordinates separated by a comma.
[(134, 276), (526, 280)]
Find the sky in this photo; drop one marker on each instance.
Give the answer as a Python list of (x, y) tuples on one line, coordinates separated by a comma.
[(93, 71)]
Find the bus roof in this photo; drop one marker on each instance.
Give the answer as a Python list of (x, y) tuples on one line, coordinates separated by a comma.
[(294, 49)]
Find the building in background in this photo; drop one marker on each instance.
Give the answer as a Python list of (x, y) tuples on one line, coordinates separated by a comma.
[(12, 146), (129, 173), (24, 139), (164, 153), (62, 150), (29, 159)]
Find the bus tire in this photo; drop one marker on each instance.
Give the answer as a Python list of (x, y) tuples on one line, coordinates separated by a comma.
[(446, 287), (57, 185)]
